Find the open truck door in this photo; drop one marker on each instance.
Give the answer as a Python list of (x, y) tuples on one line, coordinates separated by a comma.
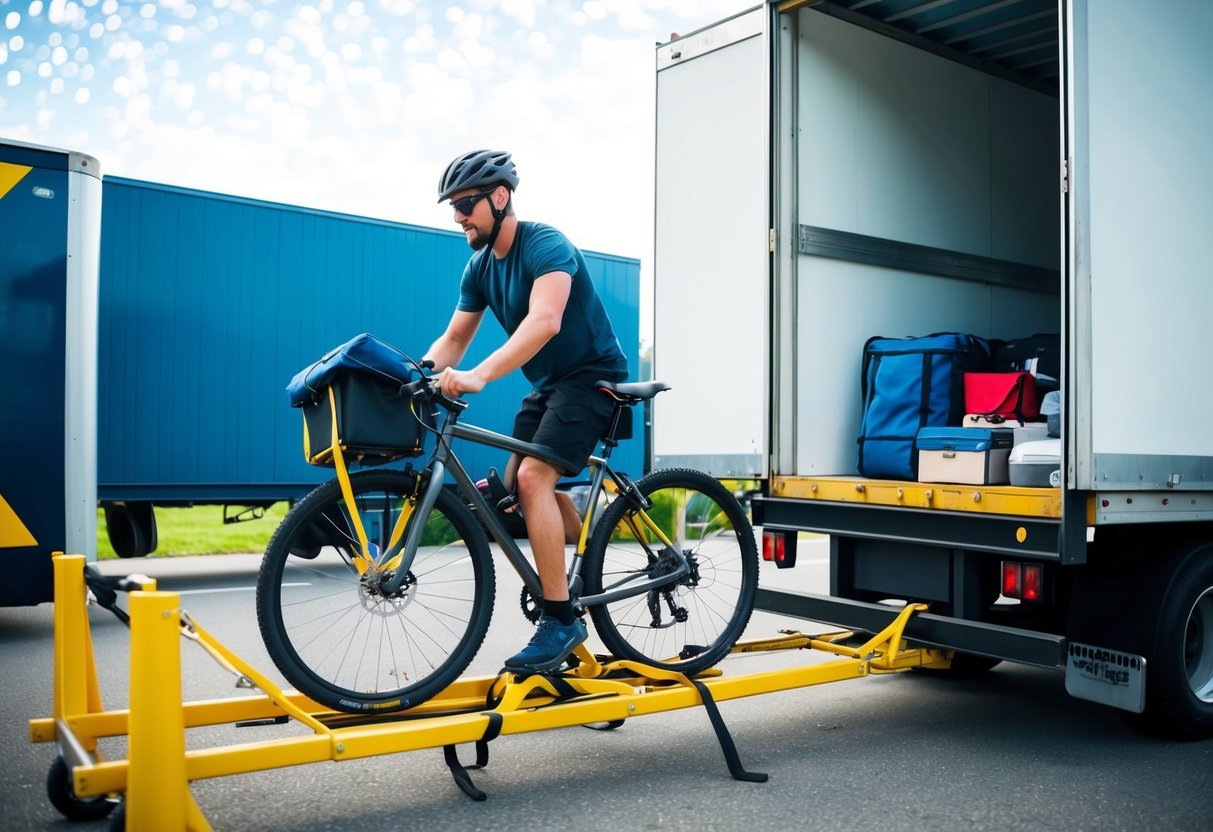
[(710, 297)]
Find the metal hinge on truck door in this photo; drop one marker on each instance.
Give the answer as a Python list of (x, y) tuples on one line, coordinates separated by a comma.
[(771, 240), (1065, 175)]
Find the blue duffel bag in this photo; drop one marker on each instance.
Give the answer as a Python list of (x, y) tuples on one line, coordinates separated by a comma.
[(910, 383)]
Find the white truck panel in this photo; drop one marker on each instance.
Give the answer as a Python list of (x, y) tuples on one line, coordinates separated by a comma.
[(901, 144), (710, 300), (1142, 127), (80, 380)]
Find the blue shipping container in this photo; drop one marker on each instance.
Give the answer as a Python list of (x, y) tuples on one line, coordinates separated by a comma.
[(209, 304)]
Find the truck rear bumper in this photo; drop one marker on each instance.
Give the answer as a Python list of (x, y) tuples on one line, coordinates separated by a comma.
[(1024, 536), (1001, 642)]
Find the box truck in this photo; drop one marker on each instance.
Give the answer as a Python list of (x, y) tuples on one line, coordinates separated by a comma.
[(830, 172)]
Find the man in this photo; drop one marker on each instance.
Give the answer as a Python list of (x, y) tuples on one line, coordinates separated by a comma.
[(538, 287)]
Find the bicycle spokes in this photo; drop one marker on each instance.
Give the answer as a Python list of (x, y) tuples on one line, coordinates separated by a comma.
[(676, 579)]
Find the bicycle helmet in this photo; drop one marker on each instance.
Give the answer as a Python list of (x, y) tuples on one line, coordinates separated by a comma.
[(478, 169)]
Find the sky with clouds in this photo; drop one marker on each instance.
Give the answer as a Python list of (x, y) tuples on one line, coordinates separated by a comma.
[(357, 105)]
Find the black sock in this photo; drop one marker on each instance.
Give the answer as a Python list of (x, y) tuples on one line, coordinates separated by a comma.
[(562, 611)]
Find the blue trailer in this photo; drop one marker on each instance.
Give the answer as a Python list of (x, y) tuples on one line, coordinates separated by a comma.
[(50, 217), (209, 304)]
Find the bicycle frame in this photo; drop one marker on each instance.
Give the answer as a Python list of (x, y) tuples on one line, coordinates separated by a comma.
[(402, 548)]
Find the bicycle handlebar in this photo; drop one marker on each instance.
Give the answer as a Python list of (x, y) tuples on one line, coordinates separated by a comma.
[(426, 388)]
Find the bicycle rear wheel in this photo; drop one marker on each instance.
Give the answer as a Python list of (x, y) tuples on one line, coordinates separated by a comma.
[(692, 622), (330, 630)]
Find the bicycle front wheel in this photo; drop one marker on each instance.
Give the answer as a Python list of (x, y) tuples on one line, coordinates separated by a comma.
[(331, 630), (693, 621)]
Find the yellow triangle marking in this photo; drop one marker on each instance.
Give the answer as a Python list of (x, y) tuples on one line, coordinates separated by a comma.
[(10, 175), (13, 532)]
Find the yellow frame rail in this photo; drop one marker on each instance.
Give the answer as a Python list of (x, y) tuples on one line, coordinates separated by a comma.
[(155, 778)]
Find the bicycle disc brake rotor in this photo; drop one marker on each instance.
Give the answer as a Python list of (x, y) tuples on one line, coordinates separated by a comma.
[(373, 600)]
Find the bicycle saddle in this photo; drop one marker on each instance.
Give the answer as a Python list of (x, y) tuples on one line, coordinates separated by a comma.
[(631, 391)]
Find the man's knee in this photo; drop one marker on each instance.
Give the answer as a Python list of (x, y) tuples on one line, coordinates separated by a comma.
[(536, 478)]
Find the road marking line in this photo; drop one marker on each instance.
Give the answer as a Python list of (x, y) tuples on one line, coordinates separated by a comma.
[(232, 589)]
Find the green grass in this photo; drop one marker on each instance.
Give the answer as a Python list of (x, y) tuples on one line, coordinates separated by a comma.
[(200, 530)]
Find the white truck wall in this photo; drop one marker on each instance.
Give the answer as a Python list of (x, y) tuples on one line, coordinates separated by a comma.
[(1141, 123), (710, 264), (899, 144)]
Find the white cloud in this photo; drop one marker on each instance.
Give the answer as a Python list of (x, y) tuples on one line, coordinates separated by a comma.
[(358, 106)]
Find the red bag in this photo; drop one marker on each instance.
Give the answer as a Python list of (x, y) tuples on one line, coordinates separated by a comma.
[(1010, 395)]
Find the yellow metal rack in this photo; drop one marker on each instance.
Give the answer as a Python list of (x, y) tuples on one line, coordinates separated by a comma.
[(155, 776)]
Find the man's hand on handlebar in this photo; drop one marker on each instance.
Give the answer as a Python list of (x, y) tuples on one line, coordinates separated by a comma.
[(454, 383)]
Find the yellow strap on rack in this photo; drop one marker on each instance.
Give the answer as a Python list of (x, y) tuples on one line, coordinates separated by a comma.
[(363, 559)]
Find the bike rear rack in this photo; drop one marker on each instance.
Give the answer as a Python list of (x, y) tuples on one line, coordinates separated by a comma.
[(155, 776)]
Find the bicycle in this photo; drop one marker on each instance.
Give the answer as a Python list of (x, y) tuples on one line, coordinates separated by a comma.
[(376, 591)]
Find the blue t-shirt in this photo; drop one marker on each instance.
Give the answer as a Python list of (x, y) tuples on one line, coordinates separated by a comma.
[(586, 341)]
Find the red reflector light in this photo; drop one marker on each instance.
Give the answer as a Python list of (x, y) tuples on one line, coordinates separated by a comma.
[(779, 547), (1011, 579), (1033, 580), (772, 545)]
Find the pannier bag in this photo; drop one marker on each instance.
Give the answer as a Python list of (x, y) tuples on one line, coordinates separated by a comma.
[(911, 383), (360, 381), (1009, 395)]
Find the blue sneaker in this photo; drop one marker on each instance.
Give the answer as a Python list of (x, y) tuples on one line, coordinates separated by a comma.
[(549, 646)]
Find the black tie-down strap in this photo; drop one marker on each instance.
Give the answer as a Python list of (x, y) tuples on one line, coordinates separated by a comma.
[(105, 590), (726, 740), (565, 692), (459, 771)]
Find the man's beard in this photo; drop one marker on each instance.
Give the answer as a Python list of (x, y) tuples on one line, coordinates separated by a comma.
[(478, 240)]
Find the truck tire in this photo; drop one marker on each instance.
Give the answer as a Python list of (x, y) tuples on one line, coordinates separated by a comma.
[(1179, 674), (131, 528)]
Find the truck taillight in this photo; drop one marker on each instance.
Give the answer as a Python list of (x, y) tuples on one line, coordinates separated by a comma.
[(1012, 578), (1024, 581), (1033, 578), (779, 548)]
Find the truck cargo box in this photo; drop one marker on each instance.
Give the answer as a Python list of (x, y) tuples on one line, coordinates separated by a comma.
[(1000, 169)]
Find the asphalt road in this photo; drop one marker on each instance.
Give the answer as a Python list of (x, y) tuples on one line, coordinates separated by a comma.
[(1006, 751)]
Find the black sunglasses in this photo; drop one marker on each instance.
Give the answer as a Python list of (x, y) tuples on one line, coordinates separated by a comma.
[(467, 204)]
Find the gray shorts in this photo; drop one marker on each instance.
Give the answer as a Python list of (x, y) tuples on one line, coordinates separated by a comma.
[(570, 419)]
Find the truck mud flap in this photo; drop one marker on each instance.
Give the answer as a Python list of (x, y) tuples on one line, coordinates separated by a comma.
[(1109, 677)]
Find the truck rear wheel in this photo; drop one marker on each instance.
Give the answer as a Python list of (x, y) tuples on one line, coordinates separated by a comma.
[(1179, 676), (131, 528)]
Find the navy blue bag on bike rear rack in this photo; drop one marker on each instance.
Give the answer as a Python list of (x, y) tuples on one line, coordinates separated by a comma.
[(362, 382), (910, 383)]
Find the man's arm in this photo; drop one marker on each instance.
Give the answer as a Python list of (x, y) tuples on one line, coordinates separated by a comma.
[(549, 296), (453, 344)]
